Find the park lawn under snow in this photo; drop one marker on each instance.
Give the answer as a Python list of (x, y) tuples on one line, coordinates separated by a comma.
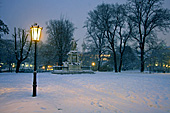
[(102, 92)]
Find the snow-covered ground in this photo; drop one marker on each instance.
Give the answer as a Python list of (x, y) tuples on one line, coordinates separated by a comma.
[(126, 92)]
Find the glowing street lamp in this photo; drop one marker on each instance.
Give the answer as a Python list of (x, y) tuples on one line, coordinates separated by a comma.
[(36, 32), (35, 36)]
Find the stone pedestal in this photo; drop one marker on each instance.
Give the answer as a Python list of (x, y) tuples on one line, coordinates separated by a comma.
[(74, 63)]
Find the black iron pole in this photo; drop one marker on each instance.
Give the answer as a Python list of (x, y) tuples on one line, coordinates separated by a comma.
[(35, 71)]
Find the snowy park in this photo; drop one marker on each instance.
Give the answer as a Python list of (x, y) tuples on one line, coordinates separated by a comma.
[(102, 92)]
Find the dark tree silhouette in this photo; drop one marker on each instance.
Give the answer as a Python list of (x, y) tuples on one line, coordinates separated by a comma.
[(22, 48), (95, 37), (108, 26), (7, 53), (60, 33), (3, 28), (147, 16)]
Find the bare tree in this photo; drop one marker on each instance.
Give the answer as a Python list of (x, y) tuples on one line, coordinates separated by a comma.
[(22, 48), (147, 16), (95, 35), (60, 33), (124, 32), (109, 21), (111, 27), (118, 31)]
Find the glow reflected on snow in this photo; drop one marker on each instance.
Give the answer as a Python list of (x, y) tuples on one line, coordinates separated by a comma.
[(102, 92)]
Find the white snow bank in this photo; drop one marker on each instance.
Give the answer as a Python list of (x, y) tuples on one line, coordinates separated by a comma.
[(86, 93)]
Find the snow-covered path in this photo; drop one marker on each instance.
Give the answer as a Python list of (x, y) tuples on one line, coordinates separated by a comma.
[(86, 93)]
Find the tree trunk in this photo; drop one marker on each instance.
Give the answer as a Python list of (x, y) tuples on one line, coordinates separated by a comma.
[(98, 65), (18, 66), (99, 61), (10, 67), (142, 60), (115, 61), (60, 62), (120, 65)]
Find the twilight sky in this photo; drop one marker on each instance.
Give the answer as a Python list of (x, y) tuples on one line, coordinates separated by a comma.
[(24, 13)]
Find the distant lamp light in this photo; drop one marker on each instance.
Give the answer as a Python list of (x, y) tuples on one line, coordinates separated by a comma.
[(43, 67), (93, 63), (13, 65), (105, 59), (35, 32), (156, 65)]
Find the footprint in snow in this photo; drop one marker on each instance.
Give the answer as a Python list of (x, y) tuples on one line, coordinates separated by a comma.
[(92, 103), (99, 105), (59, 109), (43, 108)]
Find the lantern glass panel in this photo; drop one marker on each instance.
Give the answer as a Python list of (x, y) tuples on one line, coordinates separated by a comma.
[(36, 33)]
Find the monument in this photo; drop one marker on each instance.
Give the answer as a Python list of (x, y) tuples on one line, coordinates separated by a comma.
[(73, 64)]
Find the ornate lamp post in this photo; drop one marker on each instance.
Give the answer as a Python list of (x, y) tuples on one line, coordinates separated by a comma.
[(35, 36)]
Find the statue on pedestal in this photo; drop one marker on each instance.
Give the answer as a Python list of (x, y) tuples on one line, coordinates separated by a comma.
[(73, 45), (73, 64)]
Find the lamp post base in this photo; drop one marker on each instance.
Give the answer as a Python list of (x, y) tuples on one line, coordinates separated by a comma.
[(34, 84)]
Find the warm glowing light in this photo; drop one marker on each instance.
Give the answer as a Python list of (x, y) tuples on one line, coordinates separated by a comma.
[(13, 65), (156, 64), (49, 68), (105, 55), (93, 63), (105, 59), (43, 67), (166, 65), (31, 65), (36, 32)]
